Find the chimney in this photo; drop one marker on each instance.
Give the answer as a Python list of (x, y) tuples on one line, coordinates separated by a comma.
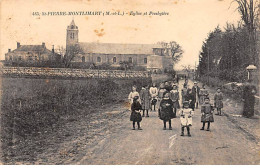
[(53, 49), (9, 50), (43, 44), (18, 44)]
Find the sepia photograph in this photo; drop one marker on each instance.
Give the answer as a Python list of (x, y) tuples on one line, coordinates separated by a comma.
[(129, 82)]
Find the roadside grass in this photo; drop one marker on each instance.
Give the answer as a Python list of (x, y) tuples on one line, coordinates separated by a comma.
[(34, 109)]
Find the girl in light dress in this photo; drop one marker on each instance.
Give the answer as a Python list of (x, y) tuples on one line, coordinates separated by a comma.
[(133, 94)]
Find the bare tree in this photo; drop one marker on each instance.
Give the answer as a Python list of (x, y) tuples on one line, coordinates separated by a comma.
[(249, 11), (71, 52), (175, 50), (187, 68), (61, 51)]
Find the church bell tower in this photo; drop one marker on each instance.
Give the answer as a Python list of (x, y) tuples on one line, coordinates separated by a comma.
[(72, 34)]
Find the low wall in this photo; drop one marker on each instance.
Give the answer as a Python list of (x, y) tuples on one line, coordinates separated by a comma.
[(70, 73)]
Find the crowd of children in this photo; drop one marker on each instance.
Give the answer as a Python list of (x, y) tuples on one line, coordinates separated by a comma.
[(166, 99)]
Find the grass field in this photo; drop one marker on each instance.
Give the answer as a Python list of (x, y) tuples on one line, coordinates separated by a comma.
[(32, 109)]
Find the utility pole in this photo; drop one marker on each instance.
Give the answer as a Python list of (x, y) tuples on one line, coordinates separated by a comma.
[(208, 65), (195, 72)]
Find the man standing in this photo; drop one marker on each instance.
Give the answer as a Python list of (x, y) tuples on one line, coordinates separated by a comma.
[(195, 92), (249, 99)]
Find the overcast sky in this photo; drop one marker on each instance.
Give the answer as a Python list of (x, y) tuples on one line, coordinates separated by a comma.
[(188, 22)]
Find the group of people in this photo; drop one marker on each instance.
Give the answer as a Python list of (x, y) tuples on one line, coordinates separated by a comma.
[(167, 100)]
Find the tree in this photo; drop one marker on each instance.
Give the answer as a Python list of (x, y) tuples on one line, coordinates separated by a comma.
[(71, 52), (175, 50), (187, 68), (61, 51), (249, 11)]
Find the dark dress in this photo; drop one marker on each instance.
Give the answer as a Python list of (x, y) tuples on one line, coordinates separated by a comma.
[(174, 96), (218, 100), (207, 109), (166, 112), (168, 88), (188, 97), (135, 116), (195, 92), (249, 97)]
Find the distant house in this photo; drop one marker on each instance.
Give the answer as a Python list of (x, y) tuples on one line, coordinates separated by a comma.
[(149, 56), (31, 54)]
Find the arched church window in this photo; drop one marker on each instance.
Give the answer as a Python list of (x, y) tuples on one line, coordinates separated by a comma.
[(130, 60), (83, 59), (98, 59), (145, 60), (72, 27), (114, 60)]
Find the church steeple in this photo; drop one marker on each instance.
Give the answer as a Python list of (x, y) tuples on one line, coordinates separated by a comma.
[(72, 34)]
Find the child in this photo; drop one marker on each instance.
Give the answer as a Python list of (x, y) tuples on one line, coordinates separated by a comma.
[(161, 91), (132, 94), (154, 93), (174, 96), (184, 92), (203, 94), (145, 100), (136, 113), (190, 97), (186, 118), (218, 101), (166, 112), (207, 114)]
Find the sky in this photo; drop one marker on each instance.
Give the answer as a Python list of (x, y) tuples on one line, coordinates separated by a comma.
[(188, 23)]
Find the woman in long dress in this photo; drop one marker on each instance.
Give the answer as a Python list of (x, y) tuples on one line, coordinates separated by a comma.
[(161, 91), (174, 96), (145, 100)]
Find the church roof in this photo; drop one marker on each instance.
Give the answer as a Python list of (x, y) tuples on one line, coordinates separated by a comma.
[(118, 48)]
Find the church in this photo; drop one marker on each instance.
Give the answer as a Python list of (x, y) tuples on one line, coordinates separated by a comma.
[(149, 56)]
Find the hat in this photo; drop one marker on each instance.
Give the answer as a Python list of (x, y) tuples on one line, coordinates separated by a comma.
[(165, 93), (185, 103), (195, 82)]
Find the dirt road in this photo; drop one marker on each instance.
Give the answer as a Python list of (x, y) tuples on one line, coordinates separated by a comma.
[(106, 137), (224, 144)]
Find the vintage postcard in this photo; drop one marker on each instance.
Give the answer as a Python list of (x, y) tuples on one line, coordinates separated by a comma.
[(129, 82)]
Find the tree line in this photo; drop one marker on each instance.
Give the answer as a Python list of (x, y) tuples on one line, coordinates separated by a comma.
[(226, 53)]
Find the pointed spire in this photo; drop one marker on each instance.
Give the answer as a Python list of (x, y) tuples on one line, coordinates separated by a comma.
[(72, 25), (72, 22)]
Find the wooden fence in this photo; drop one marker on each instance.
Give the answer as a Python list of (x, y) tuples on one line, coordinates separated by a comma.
[(70, 73)]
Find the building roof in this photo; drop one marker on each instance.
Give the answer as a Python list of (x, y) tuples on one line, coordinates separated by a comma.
[(117, 48), (33, 48), (38, 48)]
